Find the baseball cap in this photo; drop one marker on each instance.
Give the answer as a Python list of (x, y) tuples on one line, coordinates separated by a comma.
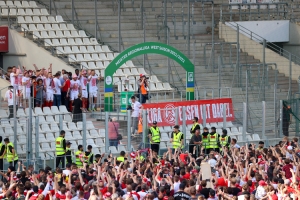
[(141, 75), (154, 122), (262, 183), (68, 143), (289, 148)]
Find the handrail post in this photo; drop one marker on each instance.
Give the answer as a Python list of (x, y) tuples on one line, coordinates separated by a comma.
[(96, 20)]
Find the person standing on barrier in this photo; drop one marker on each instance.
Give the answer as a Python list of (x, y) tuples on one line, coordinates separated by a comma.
[(2, 153), (89, 155), (11, 154), (224, 140), (195, 126), (9, 97), (135, 105), (68, 153), (177, 138), (79, 156), (154, 137), (143, 85), (195, 142), (61, 149), (214, 144), (205, 140)]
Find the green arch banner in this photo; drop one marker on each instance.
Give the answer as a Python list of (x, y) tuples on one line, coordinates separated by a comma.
[(147, 48)]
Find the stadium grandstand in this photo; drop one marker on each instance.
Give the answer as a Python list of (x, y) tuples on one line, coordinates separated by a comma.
[(149, 99)]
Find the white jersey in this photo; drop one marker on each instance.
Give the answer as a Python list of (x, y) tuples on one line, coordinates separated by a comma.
[(27, 82), (93, 83), (20, 77), (14, 79), (74, 85), (83, 82), (9, 95), (57, 85), (49, 84)]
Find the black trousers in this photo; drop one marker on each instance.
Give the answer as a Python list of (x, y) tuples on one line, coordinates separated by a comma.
[(65, 100), (155, 147), (60, 158), (11, 111), (14, 163), (1, 164), (69, 158), (285, 127)]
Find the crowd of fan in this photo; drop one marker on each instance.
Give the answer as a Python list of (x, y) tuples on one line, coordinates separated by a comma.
[(247, 172), (59, 88)]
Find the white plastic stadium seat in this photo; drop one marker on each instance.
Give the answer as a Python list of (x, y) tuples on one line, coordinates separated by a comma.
[(63, 109), (25, 4), (59, 19)]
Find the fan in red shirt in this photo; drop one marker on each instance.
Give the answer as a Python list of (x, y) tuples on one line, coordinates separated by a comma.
[(287, 168)]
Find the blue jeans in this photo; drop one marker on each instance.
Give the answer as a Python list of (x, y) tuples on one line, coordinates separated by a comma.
[(113, 143), (56, 100)]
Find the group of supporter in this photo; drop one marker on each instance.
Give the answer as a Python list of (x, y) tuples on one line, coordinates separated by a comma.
[(54, 89), (236, 172)]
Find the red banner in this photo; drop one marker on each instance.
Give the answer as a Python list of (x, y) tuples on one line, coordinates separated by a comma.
[(3, 39), (164, 113)]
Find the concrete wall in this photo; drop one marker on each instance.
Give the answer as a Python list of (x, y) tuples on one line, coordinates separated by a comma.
[(255, 49), (293, 45), (33, 54)]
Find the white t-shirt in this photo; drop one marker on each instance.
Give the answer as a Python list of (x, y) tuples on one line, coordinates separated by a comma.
[(9, 95), (20, 77), (26, 80), (93, 83), (66, 172), (136, 109), (57, 85), (74, 85), (83, 81), (212, 162), (176, 186), (142, 195), (13, 79), (49, 84)]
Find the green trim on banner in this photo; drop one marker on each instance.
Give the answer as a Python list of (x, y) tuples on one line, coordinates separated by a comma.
[(147, 48)]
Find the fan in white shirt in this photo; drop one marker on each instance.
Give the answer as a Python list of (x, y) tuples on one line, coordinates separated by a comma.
[(93, 89), (26, 82), (75, 87), (49, 86), (84, 95)]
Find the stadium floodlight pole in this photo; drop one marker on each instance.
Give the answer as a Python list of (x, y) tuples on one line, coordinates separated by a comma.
[(119, 25), (106, 132), (84, 131), (15, 116), (128, 131), (263, 120), (244, 121), (73, 11), (96, 20), (204, 115), (224, 116)]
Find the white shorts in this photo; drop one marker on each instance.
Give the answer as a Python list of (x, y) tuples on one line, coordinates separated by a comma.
[(27, 95), (73, 95), (93, 93), (84, 94), (49, 96)]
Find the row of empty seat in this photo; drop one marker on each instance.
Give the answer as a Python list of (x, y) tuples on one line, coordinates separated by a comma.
[(12, 12), (58, 34), (87, 57), (47, 27), (19, 4), (75, 42), (85, 49), (40, 19), (153, 87)]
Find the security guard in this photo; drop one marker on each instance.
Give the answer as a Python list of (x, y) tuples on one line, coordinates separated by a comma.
[(11, 154), (68, 152), (177, 138), (214, 143), (121, 158), (61, 148), (205, 140), (2, 153), (79, 156), (224, 139), (89, 155), (97, 158), (154, 137), (195, 126)]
